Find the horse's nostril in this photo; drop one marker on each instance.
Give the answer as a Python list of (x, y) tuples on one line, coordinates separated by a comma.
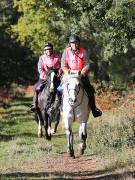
[(72, 100)]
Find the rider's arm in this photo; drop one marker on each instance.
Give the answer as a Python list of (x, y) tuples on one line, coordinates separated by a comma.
[(40, 65), (87, 63), (64, 64), (41, 68), (57, 64)]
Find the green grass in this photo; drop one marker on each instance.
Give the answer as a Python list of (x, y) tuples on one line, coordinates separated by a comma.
[(18, 136), (111, 137)]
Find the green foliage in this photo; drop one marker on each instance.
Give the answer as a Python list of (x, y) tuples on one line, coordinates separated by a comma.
[(112, 137), (115, 132), (19, 139), (121, 23), (122, 68), (15, 60), (6, 13), (106, 29), (34, 27)]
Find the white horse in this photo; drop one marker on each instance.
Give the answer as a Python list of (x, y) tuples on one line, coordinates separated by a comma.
[(75, 107)]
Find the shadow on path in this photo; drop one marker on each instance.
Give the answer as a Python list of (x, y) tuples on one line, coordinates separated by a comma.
[(91, 175), (5, 137)]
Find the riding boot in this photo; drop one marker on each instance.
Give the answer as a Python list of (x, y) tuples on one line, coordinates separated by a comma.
[(90, 92), (95, 111), (34, 106)]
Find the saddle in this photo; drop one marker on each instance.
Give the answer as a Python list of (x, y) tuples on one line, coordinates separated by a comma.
[(41, 86)]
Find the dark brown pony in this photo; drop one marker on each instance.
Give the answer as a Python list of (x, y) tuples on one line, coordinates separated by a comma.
[(46, 99)]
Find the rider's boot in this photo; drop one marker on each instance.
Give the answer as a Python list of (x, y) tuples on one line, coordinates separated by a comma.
[(90, 92), (95, 111), (34, 105)]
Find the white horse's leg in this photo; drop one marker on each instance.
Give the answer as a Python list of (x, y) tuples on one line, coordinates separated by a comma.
[(70, 149), (69, 134), (52, 131), (83, 137), (49, 130), (40, 134)]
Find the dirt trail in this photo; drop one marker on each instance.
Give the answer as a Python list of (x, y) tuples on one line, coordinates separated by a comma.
[(64, 167)]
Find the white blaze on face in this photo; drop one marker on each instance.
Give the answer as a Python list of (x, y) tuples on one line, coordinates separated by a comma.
[(72, 89), (52, 85)]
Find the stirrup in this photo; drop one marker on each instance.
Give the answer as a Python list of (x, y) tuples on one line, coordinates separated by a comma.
[(32, 108)]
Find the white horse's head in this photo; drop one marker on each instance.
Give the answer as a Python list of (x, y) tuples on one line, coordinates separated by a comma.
[(73, 88)]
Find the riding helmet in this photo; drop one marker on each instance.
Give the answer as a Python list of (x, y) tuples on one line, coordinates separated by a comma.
[(74, 39), (48, 46)]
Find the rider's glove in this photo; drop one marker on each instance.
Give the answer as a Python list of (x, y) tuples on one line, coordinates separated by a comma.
[(83, 73), (60, 73)]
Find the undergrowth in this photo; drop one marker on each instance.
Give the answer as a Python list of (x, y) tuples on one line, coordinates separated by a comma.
[(110, 137)]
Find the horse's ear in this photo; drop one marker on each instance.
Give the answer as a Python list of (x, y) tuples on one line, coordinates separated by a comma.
[(50, 68), (56, 71)]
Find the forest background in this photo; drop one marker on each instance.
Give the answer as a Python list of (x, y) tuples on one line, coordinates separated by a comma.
[(106, 29)]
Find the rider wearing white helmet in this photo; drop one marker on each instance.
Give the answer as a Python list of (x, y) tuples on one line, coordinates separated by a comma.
[(48, 59)]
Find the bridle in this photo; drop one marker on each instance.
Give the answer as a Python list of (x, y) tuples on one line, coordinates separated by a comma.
[(76, 94), (51, 79), (49, 89)]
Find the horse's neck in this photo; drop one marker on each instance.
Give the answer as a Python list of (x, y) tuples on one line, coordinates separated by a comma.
[(80, 94)]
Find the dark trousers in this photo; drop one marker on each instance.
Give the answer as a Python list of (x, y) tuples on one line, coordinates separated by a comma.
[(38, 88), (90, 92)]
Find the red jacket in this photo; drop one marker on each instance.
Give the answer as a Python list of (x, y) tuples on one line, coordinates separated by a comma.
[(75, 61), (47, 61)]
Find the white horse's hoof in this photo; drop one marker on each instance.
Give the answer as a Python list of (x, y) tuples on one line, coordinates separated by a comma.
[(52, 131), (81, 148), (49, 131), (40, 135), (71, 153)]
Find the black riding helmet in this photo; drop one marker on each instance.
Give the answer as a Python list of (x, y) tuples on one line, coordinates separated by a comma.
[(48, 46), (74, 39)]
